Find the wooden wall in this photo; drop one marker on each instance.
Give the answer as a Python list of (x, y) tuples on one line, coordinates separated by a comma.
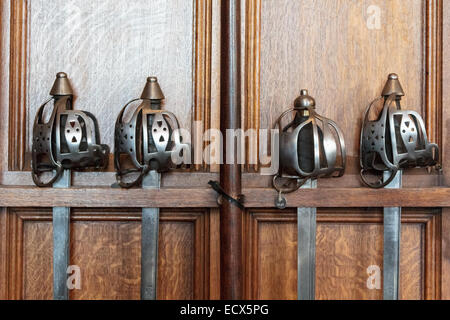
[(106, 246), (349, 241), (109, 47)]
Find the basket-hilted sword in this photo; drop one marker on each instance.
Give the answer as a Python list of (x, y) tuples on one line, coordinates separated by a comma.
[(391, 243), (393, 141), (68, 140), (151, 141), (306, 248), (310, 146), (61, 242)]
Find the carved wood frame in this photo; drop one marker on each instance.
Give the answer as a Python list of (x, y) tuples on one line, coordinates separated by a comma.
[(202, 78), (431, 220), (204, 277)]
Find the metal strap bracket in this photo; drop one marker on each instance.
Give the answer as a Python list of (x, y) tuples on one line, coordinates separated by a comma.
[(306, 254), (61, 242), (149, 241), (391, 244), (238, 202)]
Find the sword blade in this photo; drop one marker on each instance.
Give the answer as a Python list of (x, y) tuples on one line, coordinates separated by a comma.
[(149, 242), (61, 242), (306, 254), (391, 244)]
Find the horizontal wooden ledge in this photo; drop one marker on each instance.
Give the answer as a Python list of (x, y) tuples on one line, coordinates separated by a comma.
[(12, 196)]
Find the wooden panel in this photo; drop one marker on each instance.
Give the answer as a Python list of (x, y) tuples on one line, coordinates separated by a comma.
[(433, 65), (423, 16), (203, 197), (331, 48), (446, 150), (202, 77), (445, 255), (3, 254), (106, 247), (93, 42), (345, 251), (37, 257), (108, 49), (446, 94), (348, 242), (251, 74)]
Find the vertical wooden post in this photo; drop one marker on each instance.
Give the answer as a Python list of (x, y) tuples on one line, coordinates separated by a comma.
[(230, 173)]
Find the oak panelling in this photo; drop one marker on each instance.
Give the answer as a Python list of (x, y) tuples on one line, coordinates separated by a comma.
[(251, 73), (93, 42), (108, 48), (3, 254), (327, 47), (446, 93), (36, 257), (204, 94), (214, 254), (79, 197), (446, 150), (202, 76), (445, 254), (4, 82), (106, 246), (18, 86), (348, 242), (29, 65), (433, 75)]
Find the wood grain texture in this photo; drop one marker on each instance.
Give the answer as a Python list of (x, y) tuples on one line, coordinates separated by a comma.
[(4, 237), (433, 73), (204, 44), (323, 45), (328, 48), (108, 49), (203, 197), (445, 254), (348, 242), (251, 82), (5, 34), (446, 94), (106, 247), (202, 77), (94, 44), (214, 252), (18, 85), (173, 40), (231, 262), (446, 153)]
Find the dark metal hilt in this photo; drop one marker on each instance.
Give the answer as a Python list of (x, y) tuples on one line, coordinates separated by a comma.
[(311, 146), (69, 140)]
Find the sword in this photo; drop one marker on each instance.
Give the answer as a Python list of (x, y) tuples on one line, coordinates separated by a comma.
[(306, 248), (149, 241), (61, 241), (391, 243)]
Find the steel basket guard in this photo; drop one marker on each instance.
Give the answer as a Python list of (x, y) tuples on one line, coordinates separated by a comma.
[(69, 140), (310, 146), (396, 140), (152, 141), (151, 138)]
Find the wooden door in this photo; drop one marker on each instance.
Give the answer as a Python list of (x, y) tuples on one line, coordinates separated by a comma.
[(342, 51)]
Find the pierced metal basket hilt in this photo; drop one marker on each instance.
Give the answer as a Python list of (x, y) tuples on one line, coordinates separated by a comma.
[(151, 139), (396, 140), (310, 146), (70, 139)]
